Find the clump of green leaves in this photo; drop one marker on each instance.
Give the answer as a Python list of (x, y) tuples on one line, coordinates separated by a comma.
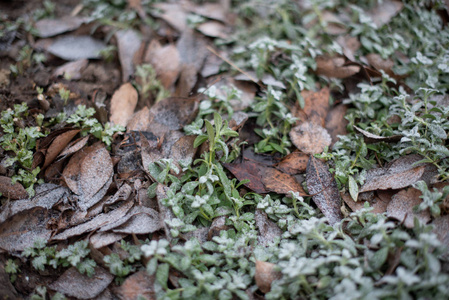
[(147, 84), (12, 269), (121, 266), (75, 255), (82, 118), (21, 141)]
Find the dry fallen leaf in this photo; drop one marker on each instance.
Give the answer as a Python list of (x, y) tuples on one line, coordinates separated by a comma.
[(123, 103), (268, 230), (89, 171), (379, 63), (293, 163), (334, 67), (75, 47), (265, 274), (336, 122), (350, 45), (316, 105), (137, 286), (51, 27), (128, 44), (378, 204), (401, 207), (10, 190), (74, 284), (398, 174), (323, 186), (370, 138), (21, 230), (442, 229), (279, 182), (384, 11), (166, 62), (71, 70), (58, 144), (248, 170), (310, 138), (213, 29)]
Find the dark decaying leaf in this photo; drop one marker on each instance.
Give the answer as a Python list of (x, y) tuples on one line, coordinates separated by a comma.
[(398, 174), (310, 138), (265, 274), (370, 138), (51, 27), (323, 186), (74, 284), (350, 45), (21, 230), (268, 230), (10, 190), (379, 63), (75, 47), (74, 146), (442, 229), (137, 286), (58, 144), (128, 43), (100, 221), (401, 207), (293, 163), (123, 103), (336, 122)]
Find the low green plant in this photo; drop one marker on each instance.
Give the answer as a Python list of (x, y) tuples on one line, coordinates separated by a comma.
[(12, 269), (21, 141), (147, 84), (75, 255), (82, 119), (123, 266)]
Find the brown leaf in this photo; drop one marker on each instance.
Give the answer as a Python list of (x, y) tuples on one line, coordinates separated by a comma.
[(324, 187), (268, 230), (334, 67), (336, 122), (213, 29), (166, 62), (87, 172), (350, 45), (378, 204), (58, 144), (74, 146), (128, 44), (139, 121), (74, 284), (21, 230), (215, 11), (173, 14), (165, 212), (379, 63), (143, 220), (71, 70), (316, 105), (101, 239), (281, 183), (370, 138), (123, 103), (12, 191), (51, 27), (310, 138), (293, 163), (100, 221), (248, 170), (75, 47), (442, 229), (398, 174), (265, 274), (137, 286), (401, 207), (384, 11), (218, 224), (192, 49)]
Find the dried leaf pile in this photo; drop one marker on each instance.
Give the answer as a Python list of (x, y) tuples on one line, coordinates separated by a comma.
[(223, 150)]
